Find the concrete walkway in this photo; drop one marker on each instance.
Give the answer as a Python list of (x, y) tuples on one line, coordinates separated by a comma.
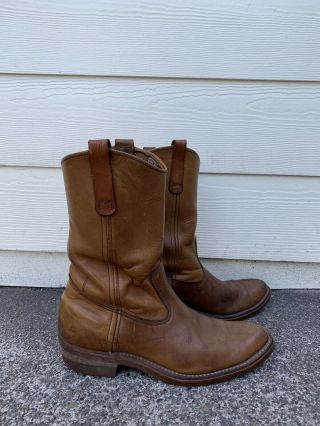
[(37, 389)]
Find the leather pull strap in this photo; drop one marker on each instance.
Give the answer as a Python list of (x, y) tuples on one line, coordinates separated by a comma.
[(99, 158), (125, 145), (177, 166)]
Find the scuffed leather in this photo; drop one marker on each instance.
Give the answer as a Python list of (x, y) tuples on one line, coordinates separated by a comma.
[(190, 342), (179, 254), (193, 284), (83, 323), (112, 256), (118, 298), (211, 295)]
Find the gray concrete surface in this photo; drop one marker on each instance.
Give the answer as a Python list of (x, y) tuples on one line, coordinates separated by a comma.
[(37, 389)]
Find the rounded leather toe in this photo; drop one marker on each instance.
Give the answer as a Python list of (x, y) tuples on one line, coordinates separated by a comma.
[(256, 290), (238, 342), (252, 338)]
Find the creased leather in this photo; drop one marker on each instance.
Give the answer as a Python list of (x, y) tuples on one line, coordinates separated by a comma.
[(116, 254), (118, 298), (195, 286)]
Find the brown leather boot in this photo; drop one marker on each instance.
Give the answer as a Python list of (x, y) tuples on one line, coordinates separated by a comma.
[(197, 287), (118, 308)]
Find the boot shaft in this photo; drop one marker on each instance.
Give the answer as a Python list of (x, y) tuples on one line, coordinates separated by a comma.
[(113, 248), (180, 253)]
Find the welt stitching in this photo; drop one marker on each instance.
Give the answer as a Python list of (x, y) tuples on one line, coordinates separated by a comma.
[(225, 370), (231, 369)]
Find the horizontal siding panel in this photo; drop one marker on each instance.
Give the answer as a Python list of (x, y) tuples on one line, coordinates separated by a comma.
[(259, 217), (274, 39), (237, 127), (38, 269), (240, 217), (33, 213)]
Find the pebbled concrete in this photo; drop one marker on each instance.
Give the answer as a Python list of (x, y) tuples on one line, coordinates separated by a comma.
[(37, 389)]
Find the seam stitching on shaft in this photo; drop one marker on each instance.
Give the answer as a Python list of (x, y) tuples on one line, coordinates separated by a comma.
[(171, 258), (175, 236), (127, 314), (116, 334), (177, 228), (108, 340)]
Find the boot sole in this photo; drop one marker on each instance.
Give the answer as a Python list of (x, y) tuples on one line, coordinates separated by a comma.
[(246, 312), (99, 363)]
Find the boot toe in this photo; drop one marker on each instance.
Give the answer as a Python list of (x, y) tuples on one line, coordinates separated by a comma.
[(241, 344), (259, 336), (253, 338), (249, 295), (257, 290)]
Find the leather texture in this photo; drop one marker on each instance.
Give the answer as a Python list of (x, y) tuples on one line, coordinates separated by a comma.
[(102, 177), (125, 145), (118, 298), (194, 285), (177, 168)]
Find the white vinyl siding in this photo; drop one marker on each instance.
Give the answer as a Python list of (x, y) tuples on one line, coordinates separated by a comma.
[(239, 80)]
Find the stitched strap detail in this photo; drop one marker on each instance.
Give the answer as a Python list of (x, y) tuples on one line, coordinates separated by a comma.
[(125, 145), (177, 166), (99, 158)]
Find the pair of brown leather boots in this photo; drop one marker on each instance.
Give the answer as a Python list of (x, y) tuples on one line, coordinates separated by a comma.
[(137, 294)]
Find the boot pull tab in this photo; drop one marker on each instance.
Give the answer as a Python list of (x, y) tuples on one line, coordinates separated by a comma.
[(177, 166), (124, 145), (100, 165)]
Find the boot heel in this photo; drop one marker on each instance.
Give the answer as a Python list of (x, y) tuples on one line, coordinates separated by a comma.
[(106, 370), (92, 363)]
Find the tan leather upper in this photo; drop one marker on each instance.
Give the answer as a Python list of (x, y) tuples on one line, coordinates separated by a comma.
[(118, 298), (192, 282), (112, 256), (179, 255)]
